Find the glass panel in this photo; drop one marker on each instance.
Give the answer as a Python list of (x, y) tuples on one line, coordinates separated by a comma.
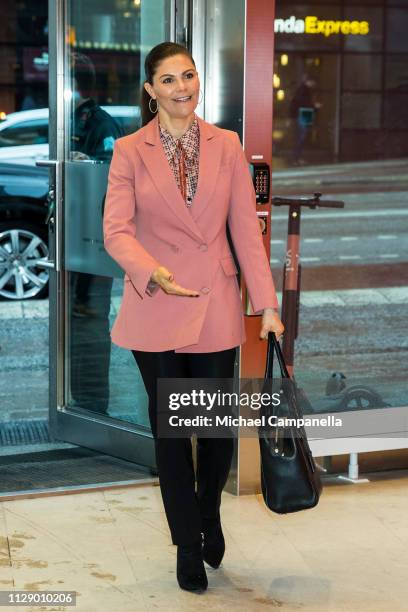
[(104, 64), (304, 81), (355, 149), (328, 27), (362, 72), (396, 110), (296, 26), (372, 41), (224, 56), (25, 133), (362, 111), (397, 25), (396, 72), (23, 56), (358, 2)]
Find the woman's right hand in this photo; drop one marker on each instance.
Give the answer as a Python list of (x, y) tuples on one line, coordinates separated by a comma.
[(165, 279)]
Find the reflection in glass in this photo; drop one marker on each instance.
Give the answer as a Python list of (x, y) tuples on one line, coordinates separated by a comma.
[(397, 24), (362, 72), (104, 67), (352, 326), (93, 133), (361, 110), (374, 39)]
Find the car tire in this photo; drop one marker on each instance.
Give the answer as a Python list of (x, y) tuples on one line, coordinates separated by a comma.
[(23, 248)]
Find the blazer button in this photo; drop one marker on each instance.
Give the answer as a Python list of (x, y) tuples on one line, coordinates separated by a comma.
[(205, 290), (203, 247), (174, 248)]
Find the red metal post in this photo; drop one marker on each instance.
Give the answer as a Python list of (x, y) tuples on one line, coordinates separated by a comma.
[(258, 112)]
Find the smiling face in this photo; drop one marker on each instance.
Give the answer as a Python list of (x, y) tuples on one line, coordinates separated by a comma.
[(176, 86)]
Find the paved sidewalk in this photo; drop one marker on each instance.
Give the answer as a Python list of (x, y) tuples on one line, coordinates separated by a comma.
[(31, 309), (384, 175)]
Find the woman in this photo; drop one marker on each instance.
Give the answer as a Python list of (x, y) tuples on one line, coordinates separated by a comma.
[(173, 186)]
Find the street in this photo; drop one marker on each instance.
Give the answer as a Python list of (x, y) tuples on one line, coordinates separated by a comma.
[(362, 334), (361, 233), (353, 316)]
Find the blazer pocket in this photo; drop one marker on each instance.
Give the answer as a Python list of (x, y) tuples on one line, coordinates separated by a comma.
[(228, 265)]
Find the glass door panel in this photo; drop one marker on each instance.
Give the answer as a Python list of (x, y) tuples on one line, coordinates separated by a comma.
[(105, 52), (97, 385)]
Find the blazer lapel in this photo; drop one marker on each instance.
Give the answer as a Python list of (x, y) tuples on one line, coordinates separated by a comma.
[(210, 160), (155, 160)]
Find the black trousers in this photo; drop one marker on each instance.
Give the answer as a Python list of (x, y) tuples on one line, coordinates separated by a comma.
[(186, 509)]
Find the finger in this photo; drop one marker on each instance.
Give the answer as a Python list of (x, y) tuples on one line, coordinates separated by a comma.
[(263, 333), (179, 290), (190, 292), (187, 292), (172, 287)]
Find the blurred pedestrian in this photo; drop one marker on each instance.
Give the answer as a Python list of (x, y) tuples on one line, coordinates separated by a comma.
[(302, 111)]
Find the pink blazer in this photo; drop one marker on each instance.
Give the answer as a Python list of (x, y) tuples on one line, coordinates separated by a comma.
[(147, 224)]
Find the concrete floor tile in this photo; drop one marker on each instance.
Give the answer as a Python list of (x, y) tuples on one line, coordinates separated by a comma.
[(114, 548)]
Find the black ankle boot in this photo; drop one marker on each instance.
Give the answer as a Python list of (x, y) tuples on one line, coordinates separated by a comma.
[(191, 574), (214, 543)]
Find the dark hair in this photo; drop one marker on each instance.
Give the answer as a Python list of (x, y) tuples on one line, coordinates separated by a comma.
[(153, 59), (83, 70)]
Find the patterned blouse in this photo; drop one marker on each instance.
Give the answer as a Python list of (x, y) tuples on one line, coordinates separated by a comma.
[(182, 162), (183, 156)]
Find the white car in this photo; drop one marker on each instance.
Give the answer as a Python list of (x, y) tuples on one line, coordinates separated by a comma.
[(24, 135)]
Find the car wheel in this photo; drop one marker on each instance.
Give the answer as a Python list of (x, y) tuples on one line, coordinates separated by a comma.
[(23, 255)]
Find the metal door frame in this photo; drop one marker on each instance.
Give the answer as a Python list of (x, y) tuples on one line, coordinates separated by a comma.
[(188, 19), (112, 437)]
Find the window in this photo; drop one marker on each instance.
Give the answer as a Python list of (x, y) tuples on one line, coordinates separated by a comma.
[(25, 133), (374, 39), (362, 72), (397, 24), (361, 111), (128, 124), (396, 73)]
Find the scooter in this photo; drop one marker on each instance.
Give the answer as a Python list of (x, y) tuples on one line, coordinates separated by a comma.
[(338, 397)]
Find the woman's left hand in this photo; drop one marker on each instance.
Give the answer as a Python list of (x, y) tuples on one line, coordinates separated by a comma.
[(271, 323)]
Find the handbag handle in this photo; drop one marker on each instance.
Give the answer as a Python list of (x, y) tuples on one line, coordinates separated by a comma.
[(274, 346)]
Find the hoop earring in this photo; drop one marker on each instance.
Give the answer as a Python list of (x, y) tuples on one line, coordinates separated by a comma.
[(150, 108), (202, 95)]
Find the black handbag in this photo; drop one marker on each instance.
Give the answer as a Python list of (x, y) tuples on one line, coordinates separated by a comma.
[(289, 477)]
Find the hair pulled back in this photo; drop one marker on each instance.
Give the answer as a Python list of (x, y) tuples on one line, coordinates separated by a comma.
[(153, 58)]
